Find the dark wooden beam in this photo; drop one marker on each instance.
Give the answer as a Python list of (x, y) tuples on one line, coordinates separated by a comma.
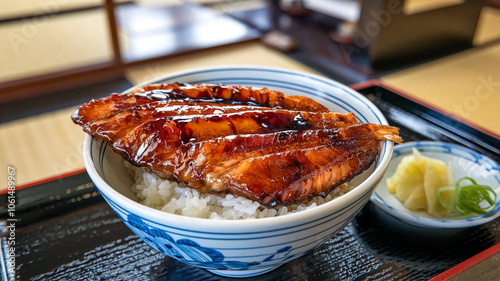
[(113, 32), (57, 81)]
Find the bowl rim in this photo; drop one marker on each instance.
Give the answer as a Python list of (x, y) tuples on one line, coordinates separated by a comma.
[(233, 226), (437, 223)]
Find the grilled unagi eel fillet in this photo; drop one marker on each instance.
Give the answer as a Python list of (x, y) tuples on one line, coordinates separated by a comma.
[(256, 143), (240, 94)]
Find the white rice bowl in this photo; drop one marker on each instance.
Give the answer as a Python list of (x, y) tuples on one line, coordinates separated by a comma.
[(249, 247), (168, 196)]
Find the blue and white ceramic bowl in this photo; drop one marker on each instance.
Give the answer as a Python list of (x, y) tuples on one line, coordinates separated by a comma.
[(463, 161), (246, 247)]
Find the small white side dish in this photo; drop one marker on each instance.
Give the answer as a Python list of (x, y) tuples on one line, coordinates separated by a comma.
[(463, 162)]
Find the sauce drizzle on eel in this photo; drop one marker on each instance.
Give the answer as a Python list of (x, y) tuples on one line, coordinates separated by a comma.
[(252, 142)]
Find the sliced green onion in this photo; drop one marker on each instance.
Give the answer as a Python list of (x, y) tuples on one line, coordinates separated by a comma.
[(469, 199), (452, 200)]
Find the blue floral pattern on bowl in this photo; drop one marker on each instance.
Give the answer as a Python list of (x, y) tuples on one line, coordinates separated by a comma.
[(190, 252), (251, 247)]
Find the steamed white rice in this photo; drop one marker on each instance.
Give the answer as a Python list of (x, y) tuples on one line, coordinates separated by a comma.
[(169, 197)]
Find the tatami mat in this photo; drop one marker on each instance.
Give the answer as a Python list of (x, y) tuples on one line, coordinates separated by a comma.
[(464, 85), (40, 147), (53, 43), (488, 27), (21, 8)]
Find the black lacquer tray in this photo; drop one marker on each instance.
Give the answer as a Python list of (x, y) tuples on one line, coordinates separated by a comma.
[(65, 230)]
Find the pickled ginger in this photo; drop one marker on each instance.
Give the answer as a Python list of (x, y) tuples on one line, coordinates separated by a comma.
[(416, 180)]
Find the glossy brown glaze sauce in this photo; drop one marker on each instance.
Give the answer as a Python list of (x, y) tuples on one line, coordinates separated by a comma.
[(251, 142)]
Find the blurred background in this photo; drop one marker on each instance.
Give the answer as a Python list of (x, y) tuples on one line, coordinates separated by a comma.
[(57, 54), (50, 45)]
